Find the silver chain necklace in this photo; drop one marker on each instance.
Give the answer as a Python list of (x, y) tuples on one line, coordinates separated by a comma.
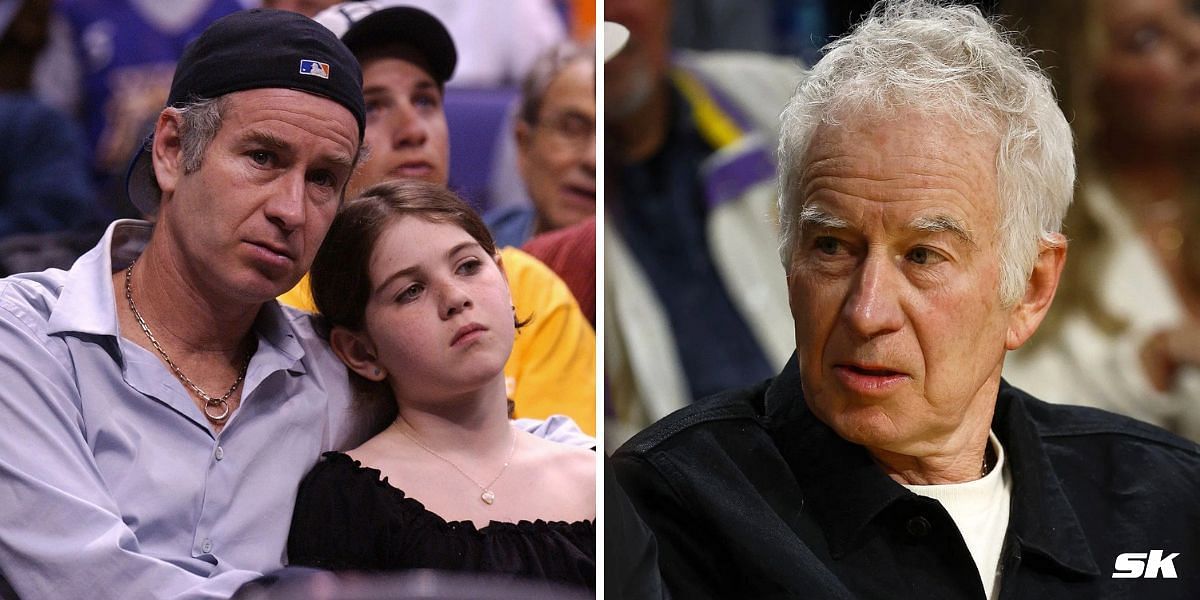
[(216, 409), (487, 496)]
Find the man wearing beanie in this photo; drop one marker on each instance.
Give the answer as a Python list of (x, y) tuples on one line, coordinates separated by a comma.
[(159, 407)]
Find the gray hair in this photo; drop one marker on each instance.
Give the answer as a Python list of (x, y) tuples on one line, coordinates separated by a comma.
[(201, 120), (947, 61), (543, 73)]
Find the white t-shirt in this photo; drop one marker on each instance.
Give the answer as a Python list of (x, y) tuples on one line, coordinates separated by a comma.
[(980, 509)]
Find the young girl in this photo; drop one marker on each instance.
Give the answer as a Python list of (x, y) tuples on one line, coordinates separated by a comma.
[(418, 307)]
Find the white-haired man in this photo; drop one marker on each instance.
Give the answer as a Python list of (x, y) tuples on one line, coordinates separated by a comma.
[(925, 171)]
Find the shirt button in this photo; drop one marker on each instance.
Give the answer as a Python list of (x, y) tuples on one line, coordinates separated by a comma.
[(220, 453), (918, 527), (206, 547)]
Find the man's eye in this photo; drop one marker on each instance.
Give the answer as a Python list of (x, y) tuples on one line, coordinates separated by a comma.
[(576, 126), (426, 101), (924, 256), (374, 105), (827, 245), (323, 179), (1146, 38), (261, 157)]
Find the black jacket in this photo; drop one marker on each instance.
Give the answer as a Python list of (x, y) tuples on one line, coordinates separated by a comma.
[(750, 496)]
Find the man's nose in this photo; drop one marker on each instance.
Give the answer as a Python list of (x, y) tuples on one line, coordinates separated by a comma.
[(285, 206), (873, 305), (407, 128)]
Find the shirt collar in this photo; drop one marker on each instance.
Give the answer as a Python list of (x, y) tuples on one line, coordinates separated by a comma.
[(846, 490), (275, 327), (87, 303)]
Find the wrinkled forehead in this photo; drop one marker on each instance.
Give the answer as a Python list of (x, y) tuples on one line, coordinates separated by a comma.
[(896, 142), (262, 113), (902, 157)]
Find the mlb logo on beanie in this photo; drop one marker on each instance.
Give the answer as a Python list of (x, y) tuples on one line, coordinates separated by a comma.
[(314, 68)]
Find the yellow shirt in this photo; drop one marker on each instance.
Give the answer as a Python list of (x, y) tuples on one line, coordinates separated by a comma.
[(552, 368)]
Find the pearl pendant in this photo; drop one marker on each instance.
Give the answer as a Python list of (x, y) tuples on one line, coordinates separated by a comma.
[(488, 497)]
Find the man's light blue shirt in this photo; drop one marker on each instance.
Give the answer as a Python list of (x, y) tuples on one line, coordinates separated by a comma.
[(112, 484)]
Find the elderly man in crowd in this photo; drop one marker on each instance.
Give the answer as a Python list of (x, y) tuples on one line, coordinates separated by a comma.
[(925, 171), (688, 235), (556, 146)]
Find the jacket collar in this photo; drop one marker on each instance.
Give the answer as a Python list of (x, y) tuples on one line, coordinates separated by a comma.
[(1043, 521), (846, 490)]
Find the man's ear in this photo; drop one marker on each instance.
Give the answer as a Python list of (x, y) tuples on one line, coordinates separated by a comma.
[(522, 131), (1039, 292), (167, 150), (358, 352)]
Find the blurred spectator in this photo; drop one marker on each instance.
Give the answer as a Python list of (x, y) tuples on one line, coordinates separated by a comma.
[(693, 301), (495, 47), (1124, 331), (555, 134), (126, 52), (571, 252), (44, 181), (726, 24), (786, 27)]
